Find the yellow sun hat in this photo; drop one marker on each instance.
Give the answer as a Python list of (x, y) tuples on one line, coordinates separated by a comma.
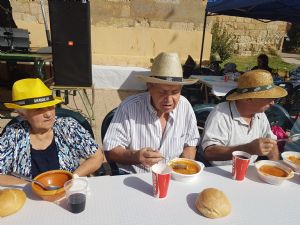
[(31, 93), (256, 84)]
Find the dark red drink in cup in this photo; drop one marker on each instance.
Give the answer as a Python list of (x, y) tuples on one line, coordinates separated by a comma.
[(226, 78), (76, 191), (240, 163), (76, 202)]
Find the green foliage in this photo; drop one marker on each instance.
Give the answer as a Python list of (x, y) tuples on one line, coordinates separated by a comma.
[(222, 42), (293, 45), (245, 63)]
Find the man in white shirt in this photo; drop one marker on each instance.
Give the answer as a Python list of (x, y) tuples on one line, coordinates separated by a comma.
[(240, 124), (154, 126)]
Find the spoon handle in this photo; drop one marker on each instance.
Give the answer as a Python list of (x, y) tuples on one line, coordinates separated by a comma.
[(280, 140), (20, 176)]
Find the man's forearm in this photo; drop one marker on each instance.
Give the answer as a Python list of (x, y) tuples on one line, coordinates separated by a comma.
[(123, 156), (223, 153), (189, 152)]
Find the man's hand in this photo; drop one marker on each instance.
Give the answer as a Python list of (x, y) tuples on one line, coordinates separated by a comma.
[(263, 146), (148, 157)]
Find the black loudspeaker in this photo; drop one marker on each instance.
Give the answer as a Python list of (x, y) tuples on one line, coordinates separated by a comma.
[(71, 42)]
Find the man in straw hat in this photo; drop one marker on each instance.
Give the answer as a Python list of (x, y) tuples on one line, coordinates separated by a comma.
[(42, 142), (240, 123), (156, 125)]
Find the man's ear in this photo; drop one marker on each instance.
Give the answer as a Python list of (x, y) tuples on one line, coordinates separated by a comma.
[(149, 85)]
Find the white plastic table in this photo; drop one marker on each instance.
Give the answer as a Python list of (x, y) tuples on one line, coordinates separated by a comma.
[(217, 84), (127, 200)]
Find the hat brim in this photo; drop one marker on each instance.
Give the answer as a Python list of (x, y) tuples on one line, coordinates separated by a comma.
[(56, 101), (276, 92), (155, 80)]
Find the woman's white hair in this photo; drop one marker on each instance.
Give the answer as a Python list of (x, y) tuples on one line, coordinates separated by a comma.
[(21, 112)]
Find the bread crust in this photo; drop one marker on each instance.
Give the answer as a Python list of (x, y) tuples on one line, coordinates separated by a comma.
[(12, 200), (213, 203)]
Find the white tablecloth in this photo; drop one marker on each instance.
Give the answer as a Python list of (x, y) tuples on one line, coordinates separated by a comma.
[(127, 200), (217, 84), (118, 77)]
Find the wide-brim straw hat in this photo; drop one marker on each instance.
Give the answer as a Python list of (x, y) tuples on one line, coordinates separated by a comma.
[(31, 93), (166, 69), (256, 84)]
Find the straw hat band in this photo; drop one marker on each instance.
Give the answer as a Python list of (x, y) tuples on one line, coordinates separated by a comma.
[(255, 89), (30, 101), (175, 79)]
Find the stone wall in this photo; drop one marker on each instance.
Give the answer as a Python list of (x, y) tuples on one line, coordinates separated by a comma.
[(252, 36), (130, 32)]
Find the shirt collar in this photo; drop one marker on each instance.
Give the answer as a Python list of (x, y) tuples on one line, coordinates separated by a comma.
[(237, 116)]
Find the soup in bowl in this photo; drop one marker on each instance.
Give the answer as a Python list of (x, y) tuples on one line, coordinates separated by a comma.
[(273, 172), (292, 159), (185, 170)]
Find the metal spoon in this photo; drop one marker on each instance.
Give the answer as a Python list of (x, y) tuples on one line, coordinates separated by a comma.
[(292, 138), (178, 166), (47, 188)]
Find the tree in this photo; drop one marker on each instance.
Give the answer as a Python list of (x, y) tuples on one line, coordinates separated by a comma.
[(222, 42)]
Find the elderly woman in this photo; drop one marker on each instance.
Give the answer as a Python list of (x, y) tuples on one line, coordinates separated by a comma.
[(41, 141)]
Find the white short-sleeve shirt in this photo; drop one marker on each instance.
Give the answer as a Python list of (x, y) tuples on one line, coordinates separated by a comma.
[(225, 126)]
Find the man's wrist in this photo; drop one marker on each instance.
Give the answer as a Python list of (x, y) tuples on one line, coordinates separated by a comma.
[(135, 156)]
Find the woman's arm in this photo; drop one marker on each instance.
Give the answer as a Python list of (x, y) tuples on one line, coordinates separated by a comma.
[(90, 165), (6, 180)]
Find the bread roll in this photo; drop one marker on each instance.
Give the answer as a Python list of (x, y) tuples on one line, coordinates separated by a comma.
[(213, 203), (11, 201)]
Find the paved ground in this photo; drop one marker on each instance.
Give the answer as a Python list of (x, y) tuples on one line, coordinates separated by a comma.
[(290, 58)]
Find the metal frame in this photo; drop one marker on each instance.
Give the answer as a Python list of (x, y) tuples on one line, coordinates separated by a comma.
[(88, 102)]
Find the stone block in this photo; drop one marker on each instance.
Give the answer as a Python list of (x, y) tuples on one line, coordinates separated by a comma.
[(125, 11), (182, 26), (142, 23), (119, 1), (160, 24), (240, 26), (19, 7), (168, 1), (34, 8), (240, 19)]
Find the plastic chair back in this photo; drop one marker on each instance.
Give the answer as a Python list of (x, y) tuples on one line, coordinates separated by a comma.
[(104, 126), (106, 121), (62, 112), (202, 111), (277, 115)]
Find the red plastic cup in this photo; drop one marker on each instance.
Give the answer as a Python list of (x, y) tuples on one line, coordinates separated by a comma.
[(226, 78), (240, 163), (161, 175)]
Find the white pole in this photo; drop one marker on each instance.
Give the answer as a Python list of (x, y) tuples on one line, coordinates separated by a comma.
[(45, 23)]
